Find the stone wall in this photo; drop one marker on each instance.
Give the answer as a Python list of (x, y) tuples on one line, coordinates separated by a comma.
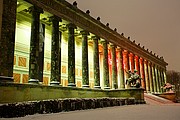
[(10, 92)]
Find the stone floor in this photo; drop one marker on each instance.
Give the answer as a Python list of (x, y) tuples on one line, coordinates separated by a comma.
[(127, 112), (155, 109)]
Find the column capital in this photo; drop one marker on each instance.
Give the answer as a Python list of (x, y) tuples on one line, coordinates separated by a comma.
[(149, 62), (84, 32), (35, 9), (55, 18), (103, 41), (141, 58), (111, 44), (146, 61), (71, 25), (131, 54), (125, 51), (136, 56), (95, 37), (119, 48), (152, 64)]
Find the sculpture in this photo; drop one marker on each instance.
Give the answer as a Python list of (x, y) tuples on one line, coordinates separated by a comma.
[(168, 87), (133, 80)]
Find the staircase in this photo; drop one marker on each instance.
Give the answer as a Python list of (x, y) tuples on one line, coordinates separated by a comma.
[(155, 100)]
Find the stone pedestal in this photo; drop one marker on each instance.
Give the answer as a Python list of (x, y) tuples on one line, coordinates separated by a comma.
[(54, 83), (6, 79), (33, 81)]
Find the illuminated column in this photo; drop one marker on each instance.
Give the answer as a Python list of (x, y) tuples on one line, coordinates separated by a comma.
[(55, 51), (59, 69), (114, 67), (137, 65), (142, 73), (164, 74), (85, 70), (121, 84), (164, 77), (7, 38), (150, 77), (41, 51), (131, 61), (160, 79), (157, 79), (105, 65), (154, 78), (96, 62), (126, 64), (146, 75), (71, 55), (34, 45)]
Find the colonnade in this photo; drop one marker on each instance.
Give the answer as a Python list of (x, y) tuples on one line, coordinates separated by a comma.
[(153, 75)]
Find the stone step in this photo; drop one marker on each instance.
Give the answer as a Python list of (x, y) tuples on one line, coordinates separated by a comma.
[(153, 99)]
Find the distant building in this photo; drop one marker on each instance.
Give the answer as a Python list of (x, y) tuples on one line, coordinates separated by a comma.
[(52, 42)]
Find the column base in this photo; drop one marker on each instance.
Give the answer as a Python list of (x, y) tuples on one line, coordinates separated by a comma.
[(33, 81), (122, 87), (54, 83), (106, 88), (71, 85), (85, 86), (148, 91), (152, 92), (97, 87), (6, 79)]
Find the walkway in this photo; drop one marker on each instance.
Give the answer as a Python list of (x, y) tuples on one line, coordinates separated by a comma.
[(155, 109), (131, 112)]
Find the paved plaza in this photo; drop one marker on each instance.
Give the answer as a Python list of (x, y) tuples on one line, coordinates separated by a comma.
[(130, 112)]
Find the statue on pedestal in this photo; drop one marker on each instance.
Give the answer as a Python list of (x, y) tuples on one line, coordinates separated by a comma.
[(133, 80)]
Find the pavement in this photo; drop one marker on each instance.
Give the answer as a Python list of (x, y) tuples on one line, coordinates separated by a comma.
[(155, 109), (127, 112)]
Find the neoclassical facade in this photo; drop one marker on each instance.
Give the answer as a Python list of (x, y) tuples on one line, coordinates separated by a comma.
[(53, 42)]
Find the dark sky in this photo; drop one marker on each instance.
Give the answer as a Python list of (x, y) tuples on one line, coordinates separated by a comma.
[(154, 24)]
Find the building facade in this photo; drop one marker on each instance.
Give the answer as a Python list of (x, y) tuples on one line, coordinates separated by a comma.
[(53, 42)]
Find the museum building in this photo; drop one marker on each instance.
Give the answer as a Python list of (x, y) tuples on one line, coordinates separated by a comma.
[(54, 43)]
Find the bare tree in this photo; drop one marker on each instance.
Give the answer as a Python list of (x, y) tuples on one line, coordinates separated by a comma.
[(173, 77)]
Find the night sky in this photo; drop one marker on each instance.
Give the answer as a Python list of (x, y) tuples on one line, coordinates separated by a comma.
[(154, 24)]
